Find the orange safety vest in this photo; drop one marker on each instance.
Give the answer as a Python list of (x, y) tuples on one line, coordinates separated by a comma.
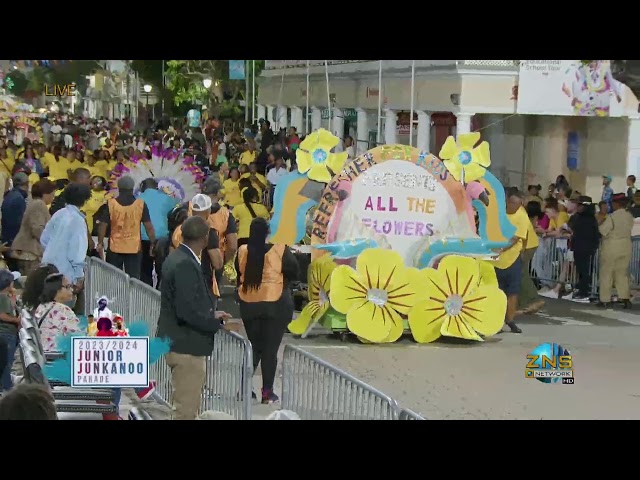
[(176, 240), (125, 226), (272, 285), (218, 221)]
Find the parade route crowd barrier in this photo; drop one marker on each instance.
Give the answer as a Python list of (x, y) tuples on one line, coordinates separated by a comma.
[(316, 390), (229, 368), (553, 263)]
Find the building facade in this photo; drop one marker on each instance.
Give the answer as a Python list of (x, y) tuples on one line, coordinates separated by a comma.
[(372, 104)]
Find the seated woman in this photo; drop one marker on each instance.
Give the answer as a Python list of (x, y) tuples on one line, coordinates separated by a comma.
[(34, 285), (266, 303), (53, 314)]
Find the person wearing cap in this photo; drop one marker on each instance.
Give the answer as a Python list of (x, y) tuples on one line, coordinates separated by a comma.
[(13, 207), (159, 205), (509, 263), (607, 191), (124, 215), (223, 222), (585, 240), (211, 256), (9, 324), (615, 252)]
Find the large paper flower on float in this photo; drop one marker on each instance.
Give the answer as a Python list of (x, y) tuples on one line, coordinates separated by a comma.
[(319, 285), (375, 294), (464, 162), (314, 156), (458, 304)]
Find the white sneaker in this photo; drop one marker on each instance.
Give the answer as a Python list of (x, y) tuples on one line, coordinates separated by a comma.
[(548, 294), (568, 297)]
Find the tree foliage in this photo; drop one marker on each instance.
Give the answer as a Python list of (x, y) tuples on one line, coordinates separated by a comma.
[(184, 78), (18, 82)]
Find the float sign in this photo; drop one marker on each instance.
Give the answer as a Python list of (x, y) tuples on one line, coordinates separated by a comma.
[(110, 362)]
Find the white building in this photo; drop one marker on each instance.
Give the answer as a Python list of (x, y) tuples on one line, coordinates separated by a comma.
[(455, 96)]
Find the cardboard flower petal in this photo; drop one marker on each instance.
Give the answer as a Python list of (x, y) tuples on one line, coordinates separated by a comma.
[(464, 162), (314, 156), (457, 304), (375, 294), (319, 289)]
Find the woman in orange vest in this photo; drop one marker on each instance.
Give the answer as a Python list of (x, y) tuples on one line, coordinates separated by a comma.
[(266, 304)]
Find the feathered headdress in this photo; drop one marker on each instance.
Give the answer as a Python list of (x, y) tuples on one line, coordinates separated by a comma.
[(176, 175)]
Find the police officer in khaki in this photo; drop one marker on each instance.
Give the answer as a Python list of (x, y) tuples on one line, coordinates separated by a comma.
[(615, 252)]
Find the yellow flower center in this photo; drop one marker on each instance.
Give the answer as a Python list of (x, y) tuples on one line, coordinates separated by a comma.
[(322, 297), (453, 305), (377, 296)]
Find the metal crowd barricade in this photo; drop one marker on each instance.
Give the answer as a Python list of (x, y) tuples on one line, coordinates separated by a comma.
[(229, 368), (406, 414), (553, 263), (316, 390), (228, 376), (105, 279)]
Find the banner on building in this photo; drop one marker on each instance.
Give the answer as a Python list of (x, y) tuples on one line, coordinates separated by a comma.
[(584, 88), (573, 151), (236, 70)]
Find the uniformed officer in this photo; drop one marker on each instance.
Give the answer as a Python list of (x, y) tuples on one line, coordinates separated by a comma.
[(615, 252)]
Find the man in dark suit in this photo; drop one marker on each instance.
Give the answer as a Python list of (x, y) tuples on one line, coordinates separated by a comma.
[(187, 318)]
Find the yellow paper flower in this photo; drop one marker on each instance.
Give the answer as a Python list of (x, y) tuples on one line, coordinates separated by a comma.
[(487, 273), (314, 156), (464, 162), (375, 294), (458, 305), (319, 288)]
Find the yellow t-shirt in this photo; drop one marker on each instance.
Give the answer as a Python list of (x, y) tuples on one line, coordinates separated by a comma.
[(58, 169), (7, 165), (532, 237), (247, 157), (46, 159), (33, 178), (254, 183), (561, 219), (93, 204), (231, 192), (243, 217), (520, 220), (98, 169), (76, 164)]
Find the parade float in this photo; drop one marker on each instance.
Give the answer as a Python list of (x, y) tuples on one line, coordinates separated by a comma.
[(395, 246), (176, 174), (24, 120)]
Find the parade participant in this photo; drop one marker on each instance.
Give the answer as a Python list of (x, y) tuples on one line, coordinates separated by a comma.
[(585, 239), (187, 318), (124, 215), (159, 204), (231, 190), (528, 301), (244, 215), (509, 264), (258, 181), (97, 200), (615, 252), (266, 304), (249, 155), (58, 166), (26, 247)]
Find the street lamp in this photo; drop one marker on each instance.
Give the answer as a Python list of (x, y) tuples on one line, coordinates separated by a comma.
[(207, 83), (147, 90)]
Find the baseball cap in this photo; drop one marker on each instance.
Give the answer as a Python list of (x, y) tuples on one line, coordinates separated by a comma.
[(20, 178), (126, 183), (201, 203), (211, 186), (7, 277), (607, 177), (585, 200)]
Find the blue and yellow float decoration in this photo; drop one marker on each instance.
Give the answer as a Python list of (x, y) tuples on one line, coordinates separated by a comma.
[(395, 247)]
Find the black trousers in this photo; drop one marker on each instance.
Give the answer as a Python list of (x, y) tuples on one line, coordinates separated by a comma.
[(582, 261), (129, 262), (147, 262), (265, 324)]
